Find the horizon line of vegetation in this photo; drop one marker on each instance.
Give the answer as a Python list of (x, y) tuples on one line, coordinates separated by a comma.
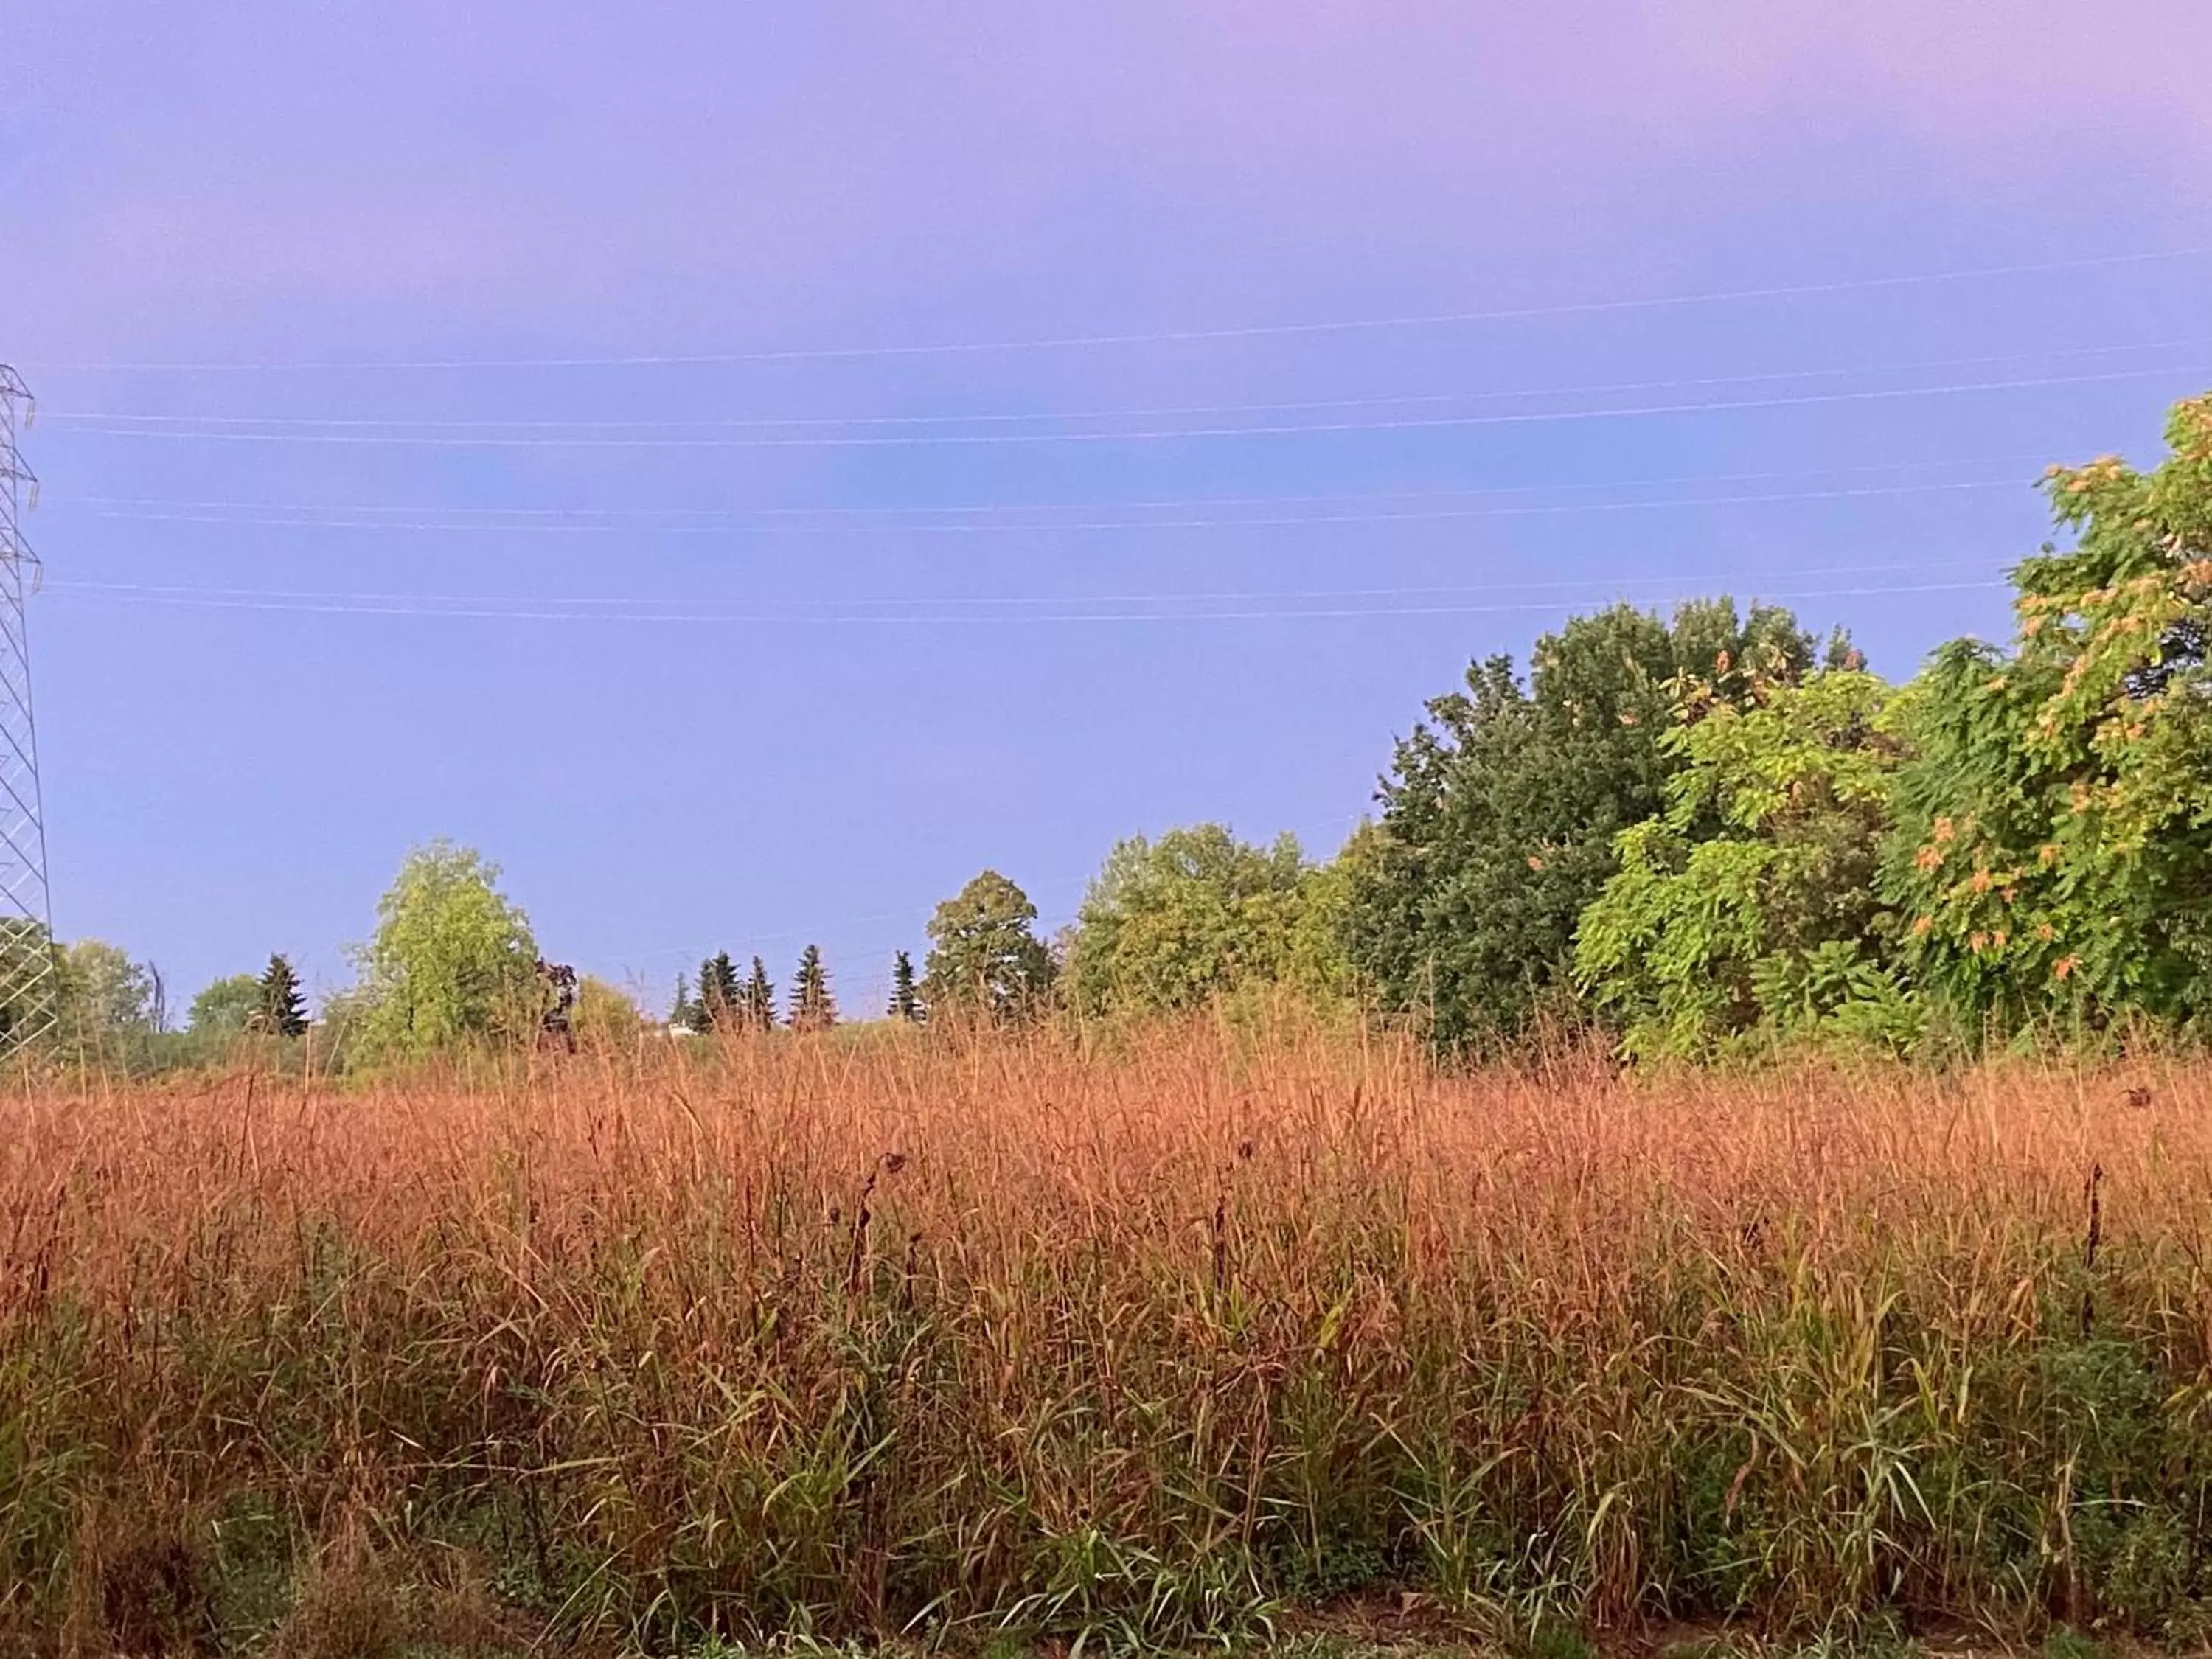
[(1703, 835)]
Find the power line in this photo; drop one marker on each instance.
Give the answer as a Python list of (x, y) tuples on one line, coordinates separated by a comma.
[(695, 602), (1010, 508), (478, 528), (1261, 331), (1149, 434), (344, 605), (290, 422)]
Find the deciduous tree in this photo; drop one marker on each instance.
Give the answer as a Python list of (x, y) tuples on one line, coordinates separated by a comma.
[(1501, 812), (1748, 905), (1198, 915), (2053, 854), (104, 993), (985, 958), (452, 959), (605, 1018), (225, 1008)]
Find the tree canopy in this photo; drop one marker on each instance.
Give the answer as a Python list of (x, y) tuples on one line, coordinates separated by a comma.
[(985, 958), (605, 1016), (104, 993), (1501, 812), (1749, 903), (225, 1007), (1705, 832), (1175, 923), (2054, 844), (452, 959)]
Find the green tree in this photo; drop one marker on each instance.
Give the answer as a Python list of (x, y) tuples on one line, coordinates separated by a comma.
[(985, 958), (452, 959), (104, 993), (224, 1008), (699, 1013), (279, 1009), (720, 1004), (1198, 915), (684, 1013), (906, 996), (1749, 904), (606, 1017), (2053, 850), (1501, 812), (759, 999), (812, 1007)]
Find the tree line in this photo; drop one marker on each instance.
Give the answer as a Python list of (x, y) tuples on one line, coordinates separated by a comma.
[(1717, 832), (1703, 833)]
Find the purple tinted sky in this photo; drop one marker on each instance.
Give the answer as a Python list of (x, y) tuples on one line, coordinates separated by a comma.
[(878, 708)]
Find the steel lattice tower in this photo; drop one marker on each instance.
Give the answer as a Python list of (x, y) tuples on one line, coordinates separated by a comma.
[(29, 980)]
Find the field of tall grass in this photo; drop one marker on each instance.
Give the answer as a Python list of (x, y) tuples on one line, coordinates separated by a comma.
[(999, 1339)]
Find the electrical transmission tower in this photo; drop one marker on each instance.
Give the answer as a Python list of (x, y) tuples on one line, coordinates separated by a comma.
[(29, 976)]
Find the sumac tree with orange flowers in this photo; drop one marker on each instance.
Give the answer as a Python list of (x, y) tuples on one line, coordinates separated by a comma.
[(2053, 849)]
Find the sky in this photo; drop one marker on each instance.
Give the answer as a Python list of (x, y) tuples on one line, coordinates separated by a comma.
[(746, 470)]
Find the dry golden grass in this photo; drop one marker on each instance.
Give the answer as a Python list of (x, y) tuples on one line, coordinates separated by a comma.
[(885, 1335)]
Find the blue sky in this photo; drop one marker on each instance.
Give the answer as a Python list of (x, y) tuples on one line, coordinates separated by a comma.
[(510, 426)]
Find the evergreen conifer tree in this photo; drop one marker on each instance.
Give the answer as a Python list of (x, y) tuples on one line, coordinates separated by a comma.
[(722, 999), (906, 1000), (279, 1009), (684, 1015), (812, 1008), (759, 999)]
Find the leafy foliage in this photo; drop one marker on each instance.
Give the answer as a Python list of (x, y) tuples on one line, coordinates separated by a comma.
[(985, 958), (1709, 828), (2054, 841), (1175, 923), (606, 1017), (1749, 903), (453, 960), (1501, 812), (224, 1008), (104, 993)]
